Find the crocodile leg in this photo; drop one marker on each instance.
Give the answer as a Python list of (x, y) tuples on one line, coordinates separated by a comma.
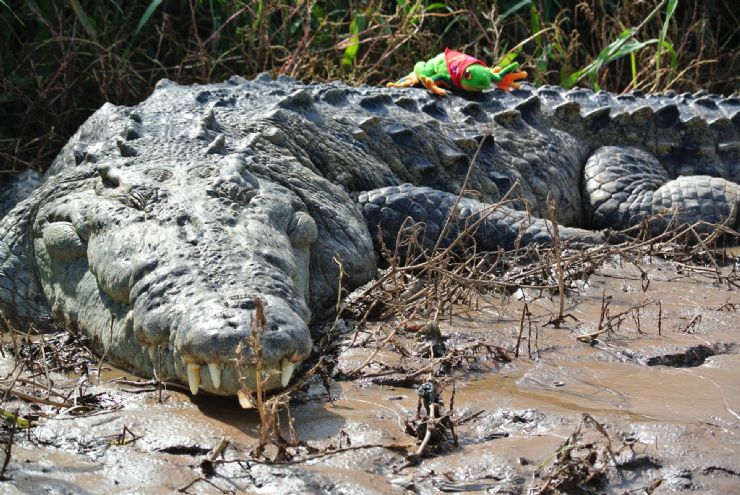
[(623, 185)]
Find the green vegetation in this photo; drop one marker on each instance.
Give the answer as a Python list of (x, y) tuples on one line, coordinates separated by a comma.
[(60, 60)]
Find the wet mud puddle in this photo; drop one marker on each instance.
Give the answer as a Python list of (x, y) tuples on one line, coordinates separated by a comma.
[(642, 398)]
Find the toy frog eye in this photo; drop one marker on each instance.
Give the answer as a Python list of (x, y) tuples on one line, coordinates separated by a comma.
[(467, 74)]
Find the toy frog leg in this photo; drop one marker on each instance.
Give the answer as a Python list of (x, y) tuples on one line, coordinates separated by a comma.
[(412, 79), (436, 82), (509, 80), (506, 77), (405, 82), (433, 73), (432, 86), (429, 75)]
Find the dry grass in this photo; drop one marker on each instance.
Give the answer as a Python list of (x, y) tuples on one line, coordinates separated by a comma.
[(430, 285), (270, 407), (578, 465), (61, 61)]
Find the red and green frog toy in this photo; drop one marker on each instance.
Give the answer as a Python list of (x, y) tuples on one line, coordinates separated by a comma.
[(456, 70)]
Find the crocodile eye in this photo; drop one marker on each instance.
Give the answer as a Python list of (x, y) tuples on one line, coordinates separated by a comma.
[(62, 241), (302, 230), (467, 74)]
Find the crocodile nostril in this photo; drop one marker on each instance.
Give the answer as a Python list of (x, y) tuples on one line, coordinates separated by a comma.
[(302, 230), (246, 304), (182, 219), (109, 174)]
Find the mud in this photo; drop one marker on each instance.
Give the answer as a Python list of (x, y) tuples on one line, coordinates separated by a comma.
[(662, 383)]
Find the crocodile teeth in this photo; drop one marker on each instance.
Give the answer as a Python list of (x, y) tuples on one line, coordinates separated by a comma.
[(244, 400), (152, 350), (215, 370), (287, 372), (194, 377)]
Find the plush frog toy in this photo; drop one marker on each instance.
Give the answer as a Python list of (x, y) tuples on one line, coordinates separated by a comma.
[(453, 69)]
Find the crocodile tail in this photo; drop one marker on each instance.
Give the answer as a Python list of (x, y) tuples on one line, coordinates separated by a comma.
[(624, 186), (689, 134)]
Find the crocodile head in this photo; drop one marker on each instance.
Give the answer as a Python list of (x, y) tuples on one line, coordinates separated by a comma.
[(161, 265)]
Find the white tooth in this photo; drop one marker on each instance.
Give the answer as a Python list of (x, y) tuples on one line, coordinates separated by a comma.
[(244, 400), (152, 350), (288, 368), (194, 377), (215, 370)]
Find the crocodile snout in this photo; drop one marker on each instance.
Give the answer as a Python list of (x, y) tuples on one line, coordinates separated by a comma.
[(219, 348), (167, 283)]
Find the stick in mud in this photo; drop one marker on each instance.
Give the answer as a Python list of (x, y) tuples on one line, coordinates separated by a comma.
[(553, 212), (269, 408)]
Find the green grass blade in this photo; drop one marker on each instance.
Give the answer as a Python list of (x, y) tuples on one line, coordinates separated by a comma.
[(357, 25), (258, 15), (118, 7), (616, 45), (142, 22), (147, 15), (436, 6), (669, 11), (536, 26), (508, 58), (614, 50), (674, 56), (514, 8), (605, 56), (86, 22), (11, 11), (449, 28), (628, 48), (411, 12)]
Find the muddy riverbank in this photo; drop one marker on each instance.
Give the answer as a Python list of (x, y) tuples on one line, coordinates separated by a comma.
[(636, 392)]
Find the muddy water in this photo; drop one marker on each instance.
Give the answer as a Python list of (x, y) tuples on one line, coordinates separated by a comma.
[(666, 380)]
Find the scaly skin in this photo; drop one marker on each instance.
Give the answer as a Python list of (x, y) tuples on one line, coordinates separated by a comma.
[(158, 224)]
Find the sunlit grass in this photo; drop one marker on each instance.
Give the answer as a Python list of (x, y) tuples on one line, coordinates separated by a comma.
[(62, 60)]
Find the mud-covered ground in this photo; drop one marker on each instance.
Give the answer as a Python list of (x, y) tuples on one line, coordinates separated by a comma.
[(637, 392)]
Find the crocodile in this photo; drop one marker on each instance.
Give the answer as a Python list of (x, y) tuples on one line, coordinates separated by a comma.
[(158, 226)]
